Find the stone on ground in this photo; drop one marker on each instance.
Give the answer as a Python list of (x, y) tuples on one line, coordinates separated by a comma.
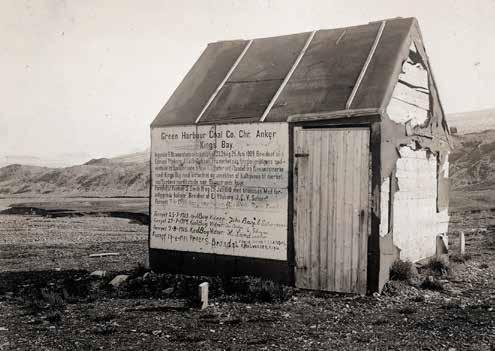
[(119, 280), (99, 274)]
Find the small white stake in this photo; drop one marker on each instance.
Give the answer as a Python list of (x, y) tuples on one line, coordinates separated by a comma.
[(203, 295), (104, 254), (462, 243)]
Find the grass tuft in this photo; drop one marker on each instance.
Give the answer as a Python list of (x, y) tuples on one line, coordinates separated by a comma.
[(402, 270), (431, 283), (251, 289), (438, 265), (459, 258)]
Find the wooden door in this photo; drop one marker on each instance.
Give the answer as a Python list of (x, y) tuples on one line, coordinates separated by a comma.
[(331, 208)]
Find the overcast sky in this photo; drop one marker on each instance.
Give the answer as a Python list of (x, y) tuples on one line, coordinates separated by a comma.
[(89, 76)]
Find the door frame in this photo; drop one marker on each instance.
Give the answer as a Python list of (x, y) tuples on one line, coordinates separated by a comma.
[(373, 123)]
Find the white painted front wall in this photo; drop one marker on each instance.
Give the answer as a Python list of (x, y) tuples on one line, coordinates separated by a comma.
[(220, 189), (416, 222), (384, 207)]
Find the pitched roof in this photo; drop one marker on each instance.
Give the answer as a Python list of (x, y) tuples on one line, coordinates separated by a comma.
[(235, 81)]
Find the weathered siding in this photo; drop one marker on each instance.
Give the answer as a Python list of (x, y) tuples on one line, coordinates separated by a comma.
[(414, 156), (410, 101), (416, 222)]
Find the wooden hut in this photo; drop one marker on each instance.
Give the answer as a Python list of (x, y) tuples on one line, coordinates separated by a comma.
[(315, 159)]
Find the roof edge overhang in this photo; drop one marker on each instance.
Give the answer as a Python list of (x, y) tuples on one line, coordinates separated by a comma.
[(322, 116)]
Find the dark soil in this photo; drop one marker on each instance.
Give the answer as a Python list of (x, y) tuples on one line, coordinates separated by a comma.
[(54, 305)]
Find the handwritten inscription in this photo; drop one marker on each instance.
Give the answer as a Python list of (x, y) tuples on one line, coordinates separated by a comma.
[(221, 189)]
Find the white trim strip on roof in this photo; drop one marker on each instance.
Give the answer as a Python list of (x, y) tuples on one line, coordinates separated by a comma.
[(222, 83), (287, 77), (365, 66)]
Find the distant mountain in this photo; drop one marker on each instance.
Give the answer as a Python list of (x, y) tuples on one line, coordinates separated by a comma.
[(472, 175), (472, 122), (126, 175), (68, 159), (61, 160), (136, 157)]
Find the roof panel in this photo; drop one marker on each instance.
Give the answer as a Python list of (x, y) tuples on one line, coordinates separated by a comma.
[(201, 81), (245, 100), (256, 79), (327, 73), (269, 58)]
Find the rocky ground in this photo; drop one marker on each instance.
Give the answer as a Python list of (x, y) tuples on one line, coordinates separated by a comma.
[(49, 300), (33, 243)]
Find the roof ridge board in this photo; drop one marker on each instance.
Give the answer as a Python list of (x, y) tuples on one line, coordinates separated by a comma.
[(318, 30)]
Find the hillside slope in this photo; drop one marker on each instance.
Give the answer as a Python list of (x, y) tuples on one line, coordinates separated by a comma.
[(472, 171), (122, 176), (472, 162)]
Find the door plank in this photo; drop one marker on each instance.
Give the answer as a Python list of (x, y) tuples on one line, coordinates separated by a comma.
[(339, 211), (315, 156), (356, 209), (299, 215), (324, 222), (349, 170), (332, 190), (365, 192), (307, 213)]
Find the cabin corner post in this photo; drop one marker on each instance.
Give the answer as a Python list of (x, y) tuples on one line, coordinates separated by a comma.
[(291, 253), (148, 259), (373, 267)]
